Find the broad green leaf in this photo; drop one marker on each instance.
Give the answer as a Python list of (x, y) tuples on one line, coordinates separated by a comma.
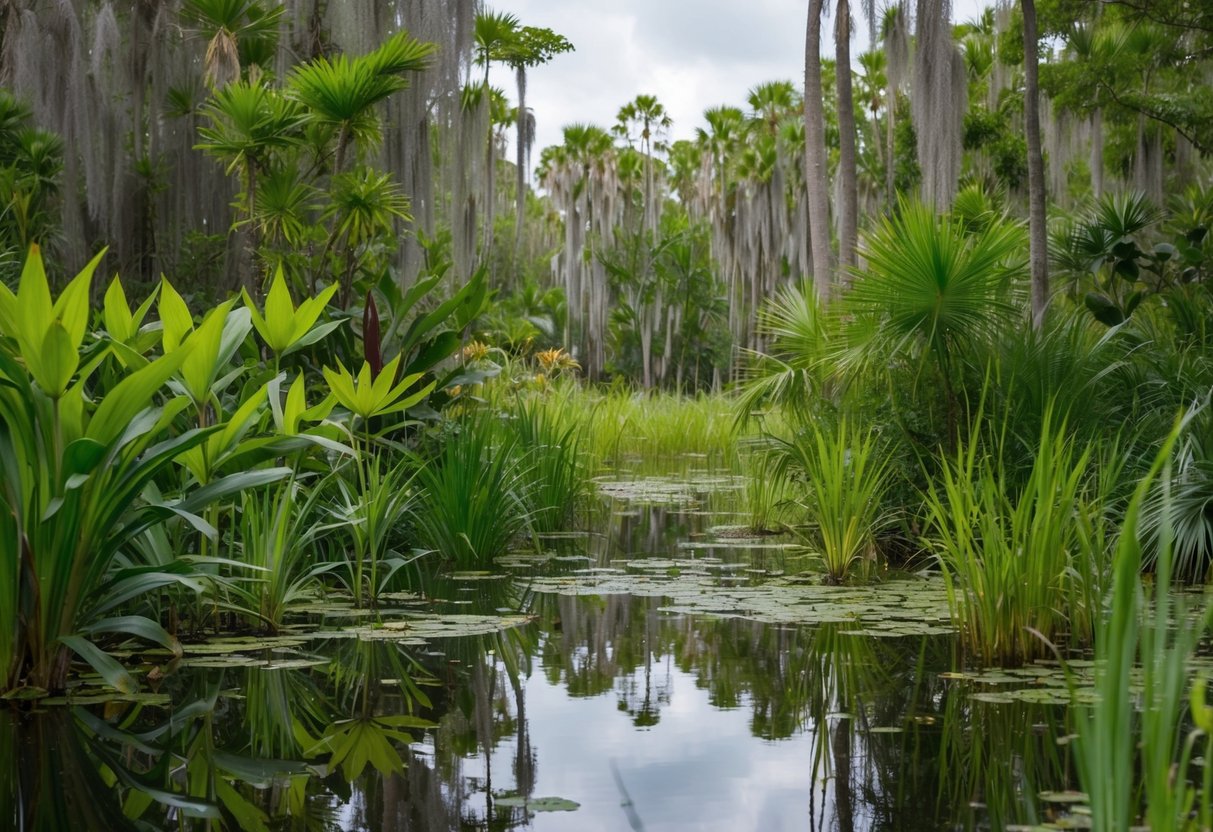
[(72, 307), (114, 674), (34, 308), (174, 316), (134, 393), (116, 313), (56, 364)]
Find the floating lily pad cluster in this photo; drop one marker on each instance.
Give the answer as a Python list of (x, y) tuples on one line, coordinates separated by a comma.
[(906, 607)]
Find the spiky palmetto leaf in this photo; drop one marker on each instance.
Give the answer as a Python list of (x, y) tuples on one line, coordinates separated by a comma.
[(364, 204), (283, 206), (341, 92), (792, 371), (928, 288), (248, 120)]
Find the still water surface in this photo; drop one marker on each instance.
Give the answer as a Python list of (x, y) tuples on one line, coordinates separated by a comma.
[(610, 710)]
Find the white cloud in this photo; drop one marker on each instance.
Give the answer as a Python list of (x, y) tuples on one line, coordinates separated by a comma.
[(691, 54)]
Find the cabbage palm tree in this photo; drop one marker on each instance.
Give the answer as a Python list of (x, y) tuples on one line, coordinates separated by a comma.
[(648, 117), (340, 93), (227, 25), (816, 173), (848, 190), (1038, 240)]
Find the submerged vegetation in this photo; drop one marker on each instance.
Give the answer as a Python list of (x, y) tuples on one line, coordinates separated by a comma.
[(368, 411)]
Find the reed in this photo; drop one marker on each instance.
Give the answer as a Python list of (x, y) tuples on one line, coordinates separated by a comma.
[(845, 478), (1018, 561), (472, 498)]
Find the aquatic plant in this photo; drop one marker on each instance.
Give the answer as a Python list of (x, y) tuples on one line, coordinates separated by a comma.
[(472, 496), (844, 476), (767, 496), (1123, 751), (74, 474), (276, 537), (1019, 561), (368, 510), (550, 449)]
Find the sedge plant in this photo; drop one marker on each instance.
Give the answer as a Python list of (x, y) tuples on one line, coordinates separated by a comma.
[(844, 478), (1017, 560), (472, 499)]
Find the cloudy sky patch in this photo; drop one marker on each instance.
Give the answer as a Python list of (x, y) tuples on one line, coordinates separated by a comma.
[(691, 54)]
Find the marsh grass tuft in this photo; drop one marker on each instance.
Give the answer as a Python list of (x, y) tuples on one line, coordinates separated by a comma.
[(844, 477), (472, 497), (1020, 562), (549, 446), (1123, 751)]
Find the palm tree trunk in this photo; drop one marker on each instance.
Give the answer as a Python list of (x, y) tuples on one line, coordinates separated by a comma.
[(521, 158), (1038, 255), (816, 174), (1097, 153), (890, 170), (848, 193)]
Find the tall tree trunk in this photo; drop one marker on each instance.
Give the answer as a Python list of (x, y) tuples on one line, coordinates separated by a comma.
[(1096, 163), (523, 151), (816, 173), (848, 193), (1038, 253), (890, 170)]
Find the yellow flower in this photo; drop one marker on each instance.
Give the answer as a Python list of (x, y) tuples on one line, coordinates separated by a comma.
[(555, 360), (475, 351)]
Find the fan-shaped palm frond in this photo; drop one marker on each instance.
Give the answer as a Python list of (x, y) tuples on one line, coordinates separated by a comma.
[(341, 92), (930, 288)]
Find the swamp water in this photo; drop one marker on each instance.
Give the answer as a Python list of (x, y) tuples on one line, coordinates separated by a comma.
[(655, 673)]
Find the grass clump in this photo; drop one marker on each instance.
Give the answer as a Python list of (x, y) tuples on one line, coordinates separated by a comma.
[(472, 498), (1020, 561), (549, 446), (844, 478)]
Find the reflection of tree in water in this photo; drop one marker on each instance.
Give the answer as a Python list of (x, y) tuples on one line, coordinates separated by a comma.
[(953, 754)]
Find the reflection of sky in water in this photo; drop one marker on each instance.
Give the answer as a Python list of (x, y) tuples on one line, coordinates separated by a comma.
[(699, 767)]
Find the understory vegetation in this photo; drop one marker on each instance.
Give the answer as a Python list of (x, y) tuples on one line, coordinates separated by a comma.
[(351, 349)]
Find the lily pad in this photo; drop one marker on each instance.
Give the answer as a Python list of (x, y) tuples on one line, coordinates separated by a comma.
[(540, 804)]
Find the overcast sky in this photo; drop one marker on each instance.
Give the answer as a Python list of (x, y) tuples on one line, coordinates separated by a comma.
[(691, 54)]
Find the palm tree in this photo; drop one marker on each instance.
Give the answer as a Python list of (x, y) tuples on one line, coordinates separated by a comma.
[(649, 118), (848, 191), (227, 25), (1038, 240), (494, 35), (897, 63), (530, 46), (341, 93), (939, 100), (816, 172)]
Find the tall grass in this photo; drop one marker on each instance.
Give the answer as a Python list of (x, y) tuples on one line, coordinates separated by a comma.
[(276, 533), (1019, 562), (550, 449), (845, 477), (472, 498), (626, 428), (768, 496), (1122, 752)]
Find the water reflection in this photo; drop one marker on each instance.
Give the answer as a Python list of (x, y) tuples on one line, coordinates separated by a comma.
[(645, 719)]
